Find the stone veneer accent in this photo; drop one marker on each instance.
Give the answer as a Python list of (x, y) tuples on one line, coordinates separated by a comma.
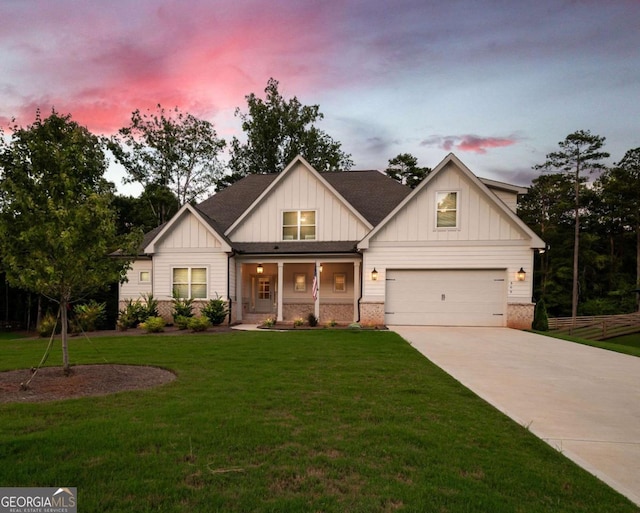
[(520, 315), (372, 313)]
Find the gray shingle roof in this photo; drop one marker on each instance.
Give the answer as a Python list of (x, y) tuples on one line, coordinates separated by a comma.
[(371, 193)]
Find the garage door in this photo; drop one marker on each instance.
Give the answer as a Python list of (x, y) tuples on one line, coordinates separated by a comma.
[(446, 298)]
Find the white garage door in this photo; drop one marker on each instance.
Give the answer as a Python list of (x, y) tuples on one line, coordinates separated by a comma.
[(446, 298)]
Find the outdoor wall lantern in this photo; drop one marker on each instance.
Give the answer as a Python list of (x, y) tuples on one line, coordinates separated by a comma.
[(521, 275), (320, 267), (259, 269), (374, 275)]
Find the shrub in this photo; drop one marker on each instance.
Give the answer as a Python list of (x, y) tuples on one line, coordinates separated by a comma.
[(540, 319), (312, 320), (198, 323), (88, 316), (354, 326), (181, 322), (332, 323), (298, 322), (181, 307), (45, 328), (215, 310), (137, 312), (153, 325), (269, 322)]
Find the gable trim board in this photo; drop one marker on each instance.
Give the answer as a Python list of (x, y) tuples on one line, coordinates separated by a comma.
[(404, 244)]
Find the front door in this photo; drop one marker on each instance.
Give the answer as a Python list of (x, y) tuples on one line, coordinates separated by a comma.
[(264, 294)]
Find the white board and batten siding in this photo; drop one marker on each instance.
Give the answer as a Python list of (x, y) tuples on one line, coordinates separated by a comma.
[(300, 189)]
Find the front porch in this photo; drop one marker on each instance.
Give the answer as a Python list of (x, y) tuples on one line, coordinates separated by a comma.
[(288, 289)]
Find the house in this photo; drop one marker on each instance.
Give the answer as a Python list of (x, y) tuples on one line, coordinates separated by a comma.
[(350, 246)]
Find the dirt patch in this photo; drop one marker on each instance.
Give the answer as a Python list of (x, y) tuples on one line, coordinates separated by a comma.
[(50, 383)]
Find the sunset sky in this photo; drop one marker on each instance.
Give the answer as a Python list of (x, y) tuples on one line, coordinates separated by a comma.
[(497, 82)]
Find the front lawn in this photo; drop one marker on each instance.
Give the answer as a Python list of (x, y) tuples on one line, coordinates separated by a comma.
[(331, 421)]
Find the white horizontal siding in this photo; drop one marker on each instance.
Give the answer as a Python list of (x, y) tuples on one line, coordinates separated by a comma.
[(509, 257), (215, 262), (300, 190), (479, 218), (133, 288)]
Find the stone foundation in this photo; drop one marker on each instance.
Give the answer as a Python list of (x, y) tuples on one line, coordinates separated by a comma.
[(520, 315)]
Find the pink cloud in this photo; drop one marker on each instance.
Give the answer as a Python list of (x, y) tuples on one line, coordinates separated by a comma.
[(469, 142), (101, 63)]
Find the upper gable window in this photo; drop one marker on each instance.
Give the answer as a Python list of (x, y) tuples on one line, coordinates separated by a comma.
[(299, 225), (447, 209)]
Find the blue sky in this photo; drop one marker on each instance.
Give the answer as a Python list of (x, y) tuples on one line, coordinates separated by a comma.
[(499, 83)]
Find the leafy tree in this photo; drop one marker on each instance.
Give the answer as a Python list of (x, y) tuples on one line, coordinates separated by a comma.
[(172, 150), (57, 226), (277, 130), (547, 209), (580, 151), (404, 169), (619, 189), (156, 204)]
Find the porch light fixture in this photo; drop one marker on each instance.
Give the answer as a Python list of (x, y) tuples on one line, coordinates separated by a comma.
[(320, 267), (259, 269), (521, 275), (374, 275)]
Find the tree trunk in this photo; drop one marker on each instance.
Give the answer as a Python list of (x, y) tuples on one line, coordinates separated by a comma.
[(63, 335), (576, 246)]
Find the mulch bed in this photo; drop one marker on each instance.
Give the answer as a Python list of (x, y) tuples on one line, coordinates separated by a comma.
[(50, 383)]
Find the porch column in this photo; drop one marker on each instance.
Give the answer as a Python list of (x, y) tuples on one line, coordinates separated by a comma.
[(356, 289), (280, 290), (316, 303), (238, 291)]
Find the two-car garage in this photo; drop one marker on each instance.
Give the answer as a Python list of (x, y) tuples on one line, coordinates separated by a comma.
[(452, 297)]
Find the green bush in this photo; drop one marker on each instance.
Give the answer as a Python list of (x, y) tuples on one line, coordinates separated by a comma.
[(182, 322), (88, 316), (540, 318), (299, 321), (45, 328), (312, 320), (181, 307), (153, 325), (198, 323), (137, 312), (215, 310)]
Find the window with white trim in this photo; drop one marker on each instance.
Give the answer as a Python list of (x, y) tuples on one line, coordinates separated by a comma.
[(190, 282), (339, 282), (299, 225), (447, 209)]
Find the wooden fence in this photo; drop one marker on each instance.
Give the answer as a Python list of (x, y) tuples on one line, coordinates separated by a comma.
[(598, 327)]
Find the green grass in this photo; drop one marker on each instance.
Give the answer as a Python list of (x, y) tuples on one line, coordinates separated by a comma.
[(627, 344), (331, 421)]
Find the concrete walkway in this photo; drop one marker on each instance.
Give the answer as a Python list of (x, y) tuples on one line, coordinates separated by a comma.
[(583, 401)]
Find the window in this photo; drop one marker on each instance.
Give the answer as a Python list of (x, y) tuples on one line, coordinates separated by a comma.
[(300, 283), (339, 282), (446, 210), (190, 282), (145, 277), (299, 225)]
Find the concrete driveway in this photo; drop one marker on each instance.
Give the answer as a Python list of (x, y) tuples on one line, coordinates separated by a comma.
[(583, 401)]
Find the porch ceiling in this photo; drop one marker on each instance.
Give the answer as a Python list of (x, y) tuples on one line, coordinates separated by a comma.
[(295, 247)]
